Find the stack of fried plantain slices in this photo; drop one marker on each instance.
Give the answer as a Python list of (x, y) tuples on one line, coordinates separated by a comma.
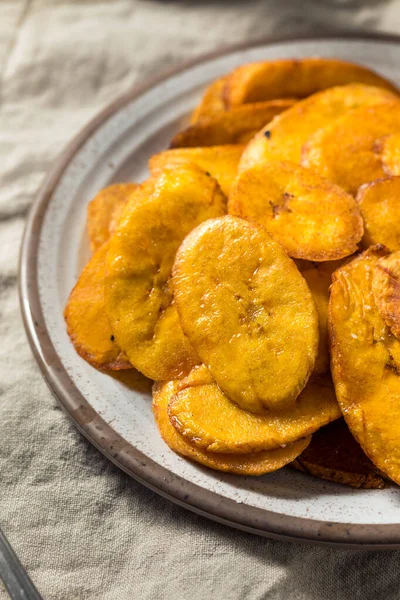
[(255, 275)]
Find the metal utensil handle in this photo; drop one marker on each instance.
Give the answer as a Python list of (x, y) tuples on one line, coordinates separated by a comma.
[(13, 574)]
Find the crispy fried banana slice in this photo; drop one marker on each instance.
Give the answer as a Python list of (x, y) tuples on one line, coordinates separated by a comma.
[(379, 202), (259, 81), (87, 322), (319, 278), (365, 362), (319, 281), (247, 311), (334, 455), (105, 210), (386, 290), (312, 218), (139, 299), (240, 464), (284, 137), (235, 126), (344, 150), (388, 150), (327, 267), (211, 102), (205, 416), (220, 162)]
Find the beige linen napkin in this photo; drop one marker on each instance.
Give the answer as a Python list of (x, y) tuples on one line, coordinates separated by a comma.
[(82, 528)]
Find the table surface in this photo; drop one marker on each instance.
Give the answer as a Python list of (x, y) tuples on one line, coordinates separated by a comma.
[(82, 528)]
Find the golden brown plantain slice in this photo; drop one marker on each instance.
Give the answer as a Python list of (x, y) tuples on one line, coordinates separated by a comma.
[(344, 150), (388, 150), (205, 416), (312, 218), (365, 362), (87, 322), (211, 102), (220, 162), (247, 312), (334, 455), (259, 81), (327, 267), (319, 281), (319, 278), (379, 202), (284, 137), (240, 464), (139, 299), (386, 290), (235, 126), (105, 210)]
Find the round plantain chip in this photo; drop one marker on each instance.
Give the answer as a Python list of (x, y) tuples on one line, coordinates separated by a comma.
[(239, 464), (365, 362), (235, 126), (379, 203), (105, 210), (139, 299), (386, 290), (259, 81), (344, 151), (388, 150), (312, 218), (247, 312), (334, 455), (326, 267), (319, 281), (221, 162), (284, 137), (201, 412), (87, 322), (211, 102)]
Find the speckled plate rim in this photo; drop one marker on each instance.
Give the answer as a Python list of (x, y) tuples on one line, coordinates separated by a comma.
[(102, 436)]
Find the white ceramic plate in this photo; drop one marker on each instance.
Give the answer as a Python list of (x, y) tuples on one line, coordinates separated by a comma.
[(116, 147)]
